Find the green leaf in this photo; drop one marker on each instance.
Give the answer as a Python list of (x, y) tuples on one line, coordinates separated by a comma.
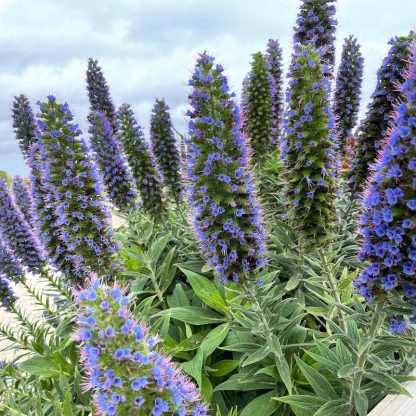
[(346, 371), (317, 381), (293, 282), (193, 315), (214, 339), (259, 355), (388, 381), (67, 405), (334, 408), (157, 248), (40, 366), (360, 402), (281, 363), (223, 367), (261, 406), (206, 291), (193, 367), (303, 401)]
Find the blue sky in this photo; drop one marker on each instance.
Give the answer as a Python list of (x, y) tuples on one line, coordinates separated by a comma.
[(147, 48)]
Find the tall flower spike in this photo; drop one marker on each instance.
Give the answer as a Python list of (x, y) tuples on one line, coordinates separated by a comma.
[(308, 148), (17, 232), (226, 214), (245, 116), (316, 24), (141, 162), (99, 93), (111, 160), (348, 91), (259, 108), (389, 220), (7, 295), (83, 218), (23, 123), (46, 220), (275, 67), (125, 370), (23, 198), (165, 149), (378, 118), (10, 265)]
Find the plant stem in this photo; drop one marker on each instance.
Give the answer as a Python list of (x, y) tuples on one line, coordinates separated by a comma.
[(156, 285), (257, 309), (362, 358), (333, 285)]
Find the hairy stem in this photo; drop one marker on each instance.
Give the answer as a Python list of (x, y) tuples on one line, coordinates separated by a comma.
[(333, 286), (362, 358)]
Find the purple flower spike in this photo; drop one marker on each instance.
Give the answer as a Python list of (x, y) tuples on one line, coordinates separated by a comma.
[(125, 370), (316, 25), (142, 165), (226, 214), (17, 232), (82, 216), (109, 155), (275, 66), (23, 198), (389, 222), (378, 120), (24, 124), (7, 294), (99, 93), (165, 149), (10, 265)]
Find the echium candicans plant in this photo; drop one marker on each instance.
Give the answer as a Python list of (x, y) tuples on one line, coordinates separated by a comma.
[(346, 103), (307, 147), (82, 215), (24, 123), (275, 66), (23, 198), (316, 24), (378, 119), (99, 92), (17, 232), (225, 212), (165, 149), (47, 228), (141, 162), (389, 221), (113, 165), (244, 104), (124, 368), (259, 106)]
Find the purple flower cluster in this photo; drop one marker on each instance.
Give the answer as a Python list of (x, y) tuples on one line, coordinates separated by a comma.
[(141, 162), (46, 220), (348, 90), (113, 165), (260, 115), (316, 24), (17, 232), (378, 120), (226, 214), (23, 123), (389, 221), (308, 147), (275, 66), (7, 295), (68, 173), (99, 93), (165, 149), (10, 266), (126, 372), (23, 198)]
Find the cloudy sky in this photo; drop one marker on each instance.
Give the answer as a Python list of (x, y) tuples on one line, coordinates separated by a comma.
[(147, 48)]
